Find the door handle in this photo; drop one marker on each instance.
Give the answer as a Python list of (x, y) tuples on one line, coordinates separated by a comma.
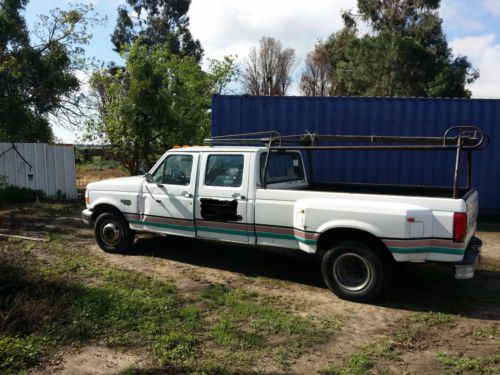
[(187, 194), (238, 196)]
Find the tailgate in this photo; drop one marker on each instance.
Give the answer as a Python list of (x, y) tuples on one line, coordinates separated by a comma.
[(472, 207)]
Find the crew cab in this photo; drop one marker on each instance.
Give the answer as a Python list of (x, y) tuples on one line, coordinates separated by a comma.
[(256, 195)]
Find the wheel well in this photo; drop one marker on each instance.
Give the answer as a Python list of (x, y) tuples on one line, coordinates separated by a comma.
[(100, 208), (334, 236)]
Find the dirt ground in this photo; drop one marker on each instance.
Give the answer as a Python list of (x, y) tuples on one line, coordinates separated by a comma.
[(425, 345)]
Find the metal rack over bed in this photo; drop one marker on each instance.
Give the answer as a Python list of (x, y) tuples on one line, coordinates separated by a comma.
[(457, 138)]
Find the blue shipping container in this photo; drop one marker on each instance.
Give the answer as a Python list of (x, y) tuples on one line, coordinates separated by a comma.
[(378, 116)]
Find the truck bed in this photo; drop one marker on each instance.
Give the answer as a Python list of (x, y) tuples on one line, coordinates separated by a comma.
[(412, 190)]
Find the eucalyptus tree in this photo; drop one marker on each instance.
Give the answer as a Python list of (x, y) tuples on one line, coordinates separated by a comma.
[(158, 23)]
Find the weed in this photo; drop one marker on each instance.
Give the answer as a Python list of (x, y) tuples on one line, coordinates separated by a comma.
[(19, 352), (176, 348), (432, 318), (417, 333), (357, 364), (491, 333), (364, 360), (70, 298), (246, 321), (458, 364)]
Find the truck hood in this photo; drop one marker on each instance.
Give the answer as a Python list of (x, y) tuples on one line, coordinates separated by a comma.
[(125, 184)]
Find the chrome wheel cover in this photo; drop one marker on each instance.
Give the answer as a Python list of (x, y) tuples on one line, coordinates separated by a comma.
[(111, 233), (352, 272)]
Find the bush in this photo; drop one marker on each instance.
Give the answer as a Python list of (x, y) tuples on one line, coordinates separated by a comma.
[(16, 194)]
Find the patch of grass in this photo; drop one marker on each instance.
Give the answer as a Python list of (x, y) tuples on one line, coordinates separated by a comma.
[(177, 348), (17, 353), (417, 332), (458, 364), (71, 298), (432, 318), (487, 333), (362, 361), (246, 321), (356, 364)]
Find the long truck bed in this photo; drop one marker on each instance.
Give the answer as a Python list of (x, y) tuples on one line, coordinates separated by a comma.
[(383, 189)]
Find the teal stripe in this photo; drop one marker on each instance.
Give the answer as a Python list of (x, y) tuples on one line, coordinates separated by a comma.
[(276, 235), (236, 232), (306, 240), (426, 249), (162, 225), (289, 237)]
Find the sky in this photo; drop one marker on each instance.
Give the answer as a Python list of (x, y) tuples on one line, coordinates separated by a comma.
[(232, 27)]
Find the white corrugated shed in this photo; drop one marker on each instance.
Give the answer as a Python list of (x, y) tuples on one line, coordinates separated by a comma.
[(52, 167)]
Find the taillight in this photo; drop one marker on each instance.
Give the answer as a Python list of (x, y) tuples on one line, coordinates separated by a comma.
[(459, 226)]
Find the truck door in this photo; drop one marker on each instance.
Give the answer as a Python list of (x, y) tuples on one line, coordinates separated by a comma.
[(222, 199), (168, 201)]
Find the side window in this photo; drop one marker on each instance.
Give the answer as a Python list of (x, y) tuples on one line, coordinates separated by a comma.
[(224, 170), (175, 170)]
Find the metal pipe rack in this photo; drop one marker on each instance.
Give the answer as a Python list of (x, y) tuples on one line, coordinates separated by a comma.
[(457, 138)]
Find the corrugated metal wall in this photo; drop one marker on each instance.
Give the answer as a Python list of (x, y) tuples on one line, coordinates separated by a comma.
[(53, 167), (380, 116)]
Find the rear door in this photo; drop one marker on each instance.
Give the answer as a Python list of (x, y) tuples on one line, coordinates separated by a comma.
[(168, 201), (222, 199)]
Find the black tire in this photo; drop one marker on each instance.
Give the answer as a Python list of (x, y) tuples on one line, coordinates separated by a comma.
[(354, 271), (112, 233)]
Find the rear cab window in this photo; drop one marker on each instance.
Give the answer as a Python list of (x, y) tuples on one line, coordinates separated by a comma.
[(284, 169)]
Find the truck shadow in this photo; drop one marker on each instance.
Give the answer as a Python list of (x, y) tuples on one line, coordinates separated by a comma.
[(415, 287)]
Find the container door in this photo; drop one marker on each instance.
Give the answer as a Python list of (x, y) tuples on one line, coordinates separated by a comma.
[(222, 199)]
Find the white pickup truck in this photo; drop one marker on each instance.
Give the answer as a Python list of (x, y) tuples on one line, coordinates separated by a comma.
[(262, 196)]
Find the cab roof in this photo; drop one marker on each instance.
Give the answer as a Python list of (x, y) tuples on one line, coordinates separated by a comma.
[(217, 148)]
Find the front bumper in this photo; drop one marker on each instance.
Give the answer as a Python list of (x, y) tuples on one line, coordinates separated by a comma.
[(87, 217), (465, 269)]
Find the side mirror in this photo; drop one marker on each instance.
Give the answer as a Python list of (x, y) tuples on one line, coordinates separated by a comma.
[(148, 177)]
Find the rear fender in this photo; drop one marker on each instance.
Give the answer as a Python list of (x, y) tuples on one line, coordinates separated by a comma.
[(350, 224)]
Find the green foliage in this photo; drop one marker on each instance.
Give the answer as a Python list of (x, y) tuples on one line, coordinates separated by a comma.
[(37, 70), (405, 54), (15, 194), (158, 23), (487, 333), (158, 100), (459, 364), (244, 320), (176, 348), (356, 364), (362, 361), (431, 319), (55, 304), (17, 353)]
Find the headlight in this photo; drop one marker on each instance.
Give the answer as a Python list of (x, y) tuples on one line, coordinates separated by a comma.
[(87, 197)]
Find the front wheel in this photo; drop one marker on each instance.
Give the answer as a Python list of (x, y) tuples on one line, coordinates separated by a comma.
[(353, 271), (112, 232)]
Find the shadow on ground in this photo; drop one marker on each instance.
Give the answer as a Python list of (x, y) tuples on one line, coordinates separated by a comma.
[(416, 287)]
